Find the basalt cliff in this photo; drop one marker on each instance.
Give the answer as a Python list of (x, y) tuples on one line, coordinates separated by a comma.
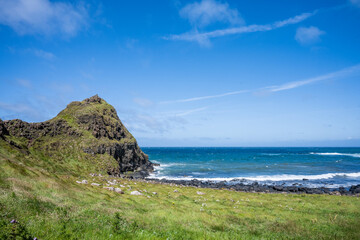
[(86, 136)]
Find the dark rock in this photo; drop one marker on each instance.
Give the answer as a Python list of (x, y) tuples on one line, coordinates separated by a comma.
[(278, 188), (3, 130), (93, 99), (32, 131), (355, 189), (342, 190), (257, 187)]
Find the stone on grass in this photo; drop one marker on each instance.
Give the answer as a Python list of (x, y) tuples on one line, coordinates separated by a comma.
[(155, 193), (176, 190), (95, 184), (112, 183), (118, 190), (200, 193), (110, 188), (137, 193), (82, 182)]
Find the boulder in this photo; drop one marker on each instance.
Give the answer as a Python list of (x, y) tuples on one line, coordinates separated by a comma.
[(137, 193), (118, 190)]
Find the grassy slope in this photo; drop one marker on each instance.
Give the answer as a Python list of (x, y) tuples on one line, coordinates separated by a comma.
[(51, 205)]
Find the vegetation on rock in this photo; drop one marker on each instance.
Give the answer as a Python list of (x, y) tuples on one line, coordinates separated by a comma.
[(85, 136)]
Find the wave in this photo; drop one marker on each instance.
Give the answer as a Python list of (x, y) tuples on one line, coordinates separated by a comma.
[(357, 155), (274, 178), (162, 166), (272, 154)]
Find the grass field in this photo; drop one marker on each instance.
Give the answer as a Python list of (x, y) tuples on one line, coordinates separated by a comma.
[(50, 206)]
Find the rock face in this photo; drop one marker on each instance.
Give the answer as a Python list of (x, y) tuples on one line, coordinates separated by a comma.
[(30, 131), (93, 126)]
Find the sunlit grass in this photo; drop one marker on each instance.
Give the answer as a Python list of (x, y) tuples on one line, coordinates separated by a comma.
[(56, 207)]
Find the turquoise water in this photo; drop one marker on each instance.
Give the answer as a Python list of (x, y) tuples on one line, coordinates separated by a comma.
[(315, 167)]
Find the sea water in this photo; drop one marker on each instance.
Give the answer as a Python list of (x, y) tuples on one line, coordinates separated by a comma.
[(311, 167)]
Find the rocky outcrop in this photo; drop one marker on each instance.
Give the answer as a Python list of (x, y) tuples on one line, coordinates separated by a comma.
[(129, 156), (31, 131), (92, 115)]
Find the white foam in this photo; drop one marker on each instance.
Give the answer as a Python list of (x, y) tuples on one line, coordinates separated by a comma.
[(272, 154), (287, 177), (357, 155), (282, 177)]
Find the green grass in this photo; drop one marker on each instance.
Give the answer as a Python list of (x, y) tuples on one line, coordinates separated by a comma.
[(50, 205)]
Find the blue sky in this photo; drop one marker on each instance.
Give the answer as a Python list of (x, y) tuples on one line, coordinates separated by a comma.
[(190, 73)]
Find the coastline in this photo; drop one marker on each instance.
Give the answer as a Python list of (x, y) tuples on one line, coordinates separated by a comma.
[(305, 170), (255, 187)]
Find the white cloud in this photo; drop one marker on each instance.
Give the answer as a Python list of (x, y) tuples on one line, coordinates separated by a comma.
[(42, 17), (20, 110), (161, 122), (333, 75), (140, 121), (33, 51), (143, 102), (24, 83), (201, 14), (308, 35), (203, 38), (286, 86), (355, 2), (190, 112), (43, 54), (207, 97)]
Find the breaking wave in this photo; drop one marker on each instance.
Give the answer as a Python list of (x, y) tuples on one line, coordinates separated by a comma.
[(357, 155)]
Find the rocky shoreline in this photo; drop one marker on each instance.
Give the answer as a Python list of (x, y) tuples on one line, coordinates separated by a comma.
[(261, 188)]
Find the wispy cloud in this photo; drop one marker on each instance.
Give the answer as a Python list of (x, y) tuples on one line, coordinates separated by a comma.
[(33, 51), (43, 17), (355, 2), (159, 122), (24, 83), (190, 112), (201, 14), (207, 97), (143, 102), (140, 121), (308, 35), (334, 75), (43, 54), (286, 86), (203, 38), (19, 110)]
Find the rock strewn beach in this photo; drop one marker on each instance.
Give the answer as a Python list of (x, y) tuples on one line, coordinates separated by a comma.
[(256, 187)]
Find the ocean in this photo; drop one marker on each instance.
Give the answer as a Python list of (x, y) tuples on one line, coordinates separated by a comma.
[(311, 167)]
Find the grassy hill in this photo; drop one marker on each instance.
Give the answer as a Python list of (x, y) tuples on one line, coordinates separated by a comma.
[(42, 166)]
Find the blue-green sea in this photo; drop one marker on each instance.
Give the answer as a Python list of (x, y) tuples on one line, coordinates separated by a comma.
[(313, 167)]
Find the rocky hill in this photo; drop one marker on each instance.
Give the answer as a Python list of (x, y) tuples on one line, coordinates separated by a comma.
[(85, 136)]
